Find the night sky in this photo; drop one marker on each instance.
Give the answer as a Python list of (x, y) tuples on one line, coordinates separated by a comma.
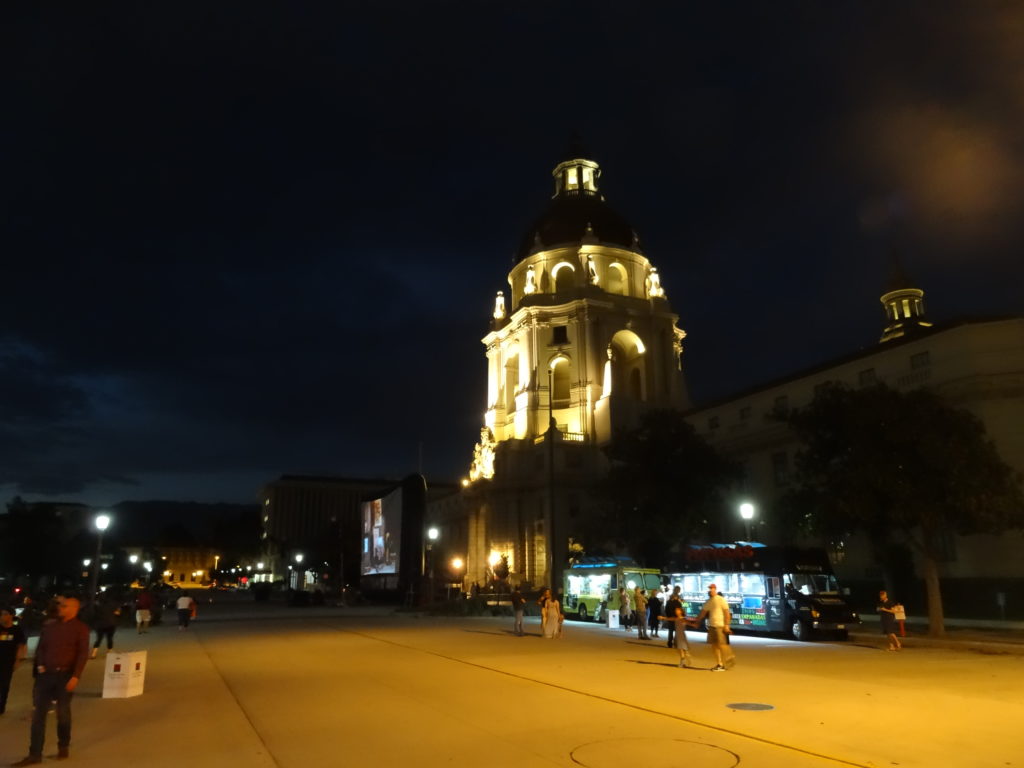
[(244, 239)]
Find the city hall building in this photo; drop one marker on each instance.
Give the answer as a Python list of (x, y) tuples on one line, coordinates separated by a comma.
[(584, 340), (581, 343)]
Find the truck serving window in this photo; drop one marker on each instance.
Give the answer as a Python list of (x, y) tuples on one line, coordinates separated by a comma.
[(813, 583)]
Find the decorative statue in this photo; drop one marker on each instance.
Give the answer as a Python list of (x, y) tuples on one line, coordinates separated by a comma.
[(499, 306), (531, 281)]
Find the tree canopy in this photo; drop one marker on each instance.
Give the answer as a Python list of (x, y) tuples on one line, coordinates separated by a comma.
[(900, 465), (665, 486)]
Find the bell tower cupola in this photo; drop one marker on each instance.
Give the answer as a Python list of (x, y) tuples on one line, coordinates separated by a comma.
[(903, 305)]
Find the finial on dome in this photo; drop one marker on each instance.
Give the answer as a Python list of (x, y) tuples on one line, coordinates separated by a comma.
[(577, 149)]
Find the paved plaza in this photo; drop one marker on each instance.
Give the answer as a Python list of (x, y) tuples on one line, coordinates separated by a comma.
[(265, 685)]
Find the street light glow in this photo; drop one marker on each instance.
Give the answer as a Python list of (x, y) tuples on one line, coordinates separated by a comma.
[(747, 510), (457, 563), (433, 533), (102, 522), (133, 559), (298, 557)]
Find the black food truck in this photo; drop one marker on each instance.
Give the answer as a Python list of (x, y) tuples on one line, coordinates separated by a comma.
[(769, 589)]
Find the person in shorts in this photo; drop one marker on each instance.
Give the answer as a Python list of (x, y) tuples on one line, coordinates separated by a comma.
[(718, 616), (887, 616)]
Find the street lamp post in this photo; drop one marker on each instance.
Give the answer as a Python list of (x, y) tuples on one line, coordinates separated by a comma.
[(102, 522), (432, 536), (747, 511)]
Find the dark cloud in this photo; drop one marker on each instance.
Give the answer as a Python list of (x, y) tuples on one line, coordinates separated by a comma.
[(244, 239)]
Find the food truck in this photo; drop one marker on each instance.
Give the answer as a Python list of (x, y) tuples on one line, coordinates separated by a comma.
[(591, 588), (769, 589)]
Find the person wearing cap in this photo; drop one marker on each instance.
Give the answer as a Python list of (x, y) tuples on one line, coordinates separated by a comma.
[(716, 611)]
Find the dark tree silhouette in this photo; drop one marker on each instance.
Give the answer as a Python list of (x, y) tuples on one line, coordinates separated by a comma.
[(899, 466), (664, 486)]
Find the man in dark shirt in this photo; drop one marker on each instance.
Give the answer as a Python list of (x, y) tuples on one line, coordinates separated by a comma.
[(12, 650), (60, 658), (670, 610)]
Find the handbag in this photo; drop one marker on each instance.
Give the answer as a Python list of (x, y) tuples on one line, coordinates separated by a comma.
[(899, 613)]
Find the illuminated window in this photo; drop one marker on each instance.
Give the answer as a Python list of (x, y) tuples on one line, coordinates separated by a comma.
[(894, 311), (588, 178), (906, 307), (920, 360), (560, 381), (511, 383), (571, 179), (565, 278), (617, 279)]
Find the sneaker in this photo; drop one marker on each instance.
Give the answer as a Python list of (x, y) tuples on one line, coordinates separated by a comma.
[(30, 760), (718, 668)]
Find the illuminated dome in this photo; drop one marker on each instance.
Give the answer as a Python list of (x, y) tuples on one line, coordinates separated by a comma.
[(577, 211)]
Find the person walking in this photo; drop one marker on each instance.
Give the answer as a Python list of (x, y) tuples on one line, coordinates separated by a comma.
[(60, 658), (105, 617), (143, 611), (518, 606), (640, 611), (717, 613), (887, 615), (552, 617), (653, 613), (185, 605), (542, 603), (13, 648), (679, 622), (671, 605)]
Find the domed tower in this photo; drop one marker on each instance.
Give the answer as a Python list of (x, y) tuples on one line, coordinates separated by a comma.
[(585, 336), (580, 345), (903, 304)]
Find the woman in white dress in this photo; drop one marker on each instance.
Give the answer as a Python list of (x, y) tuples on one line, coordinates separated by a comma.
[(551, 616)]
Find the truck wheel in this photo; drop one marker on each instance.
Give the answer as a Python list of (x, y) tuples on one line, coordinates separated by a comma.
[(582, 613), (799, 630)]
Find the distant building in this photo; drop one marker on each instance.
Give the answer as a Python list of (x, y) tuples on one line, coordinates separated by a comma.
[(976, 364), (584, 342), (304, 518)]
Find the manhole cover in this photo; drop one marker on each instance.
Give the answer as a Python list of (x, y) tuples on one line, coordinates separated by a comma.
[(750, 705), (653, 753)]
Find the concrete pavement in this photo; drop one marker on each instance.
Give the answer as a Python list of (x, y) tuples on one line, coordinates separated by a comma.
[(265, 685)]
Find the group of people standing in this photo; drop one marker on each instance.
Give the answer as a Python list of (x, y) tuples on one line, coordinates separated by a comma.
[(647, 614)]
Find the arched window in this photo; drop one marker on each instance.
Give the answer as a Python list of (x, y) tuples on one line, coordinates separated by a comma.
[(628, 375), (617, 280), (511, 383), (560, 382), (565, 277)]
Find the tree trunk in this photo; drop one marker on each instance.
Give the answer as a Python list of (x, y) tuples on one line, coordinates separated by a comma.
[(936, 619)]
